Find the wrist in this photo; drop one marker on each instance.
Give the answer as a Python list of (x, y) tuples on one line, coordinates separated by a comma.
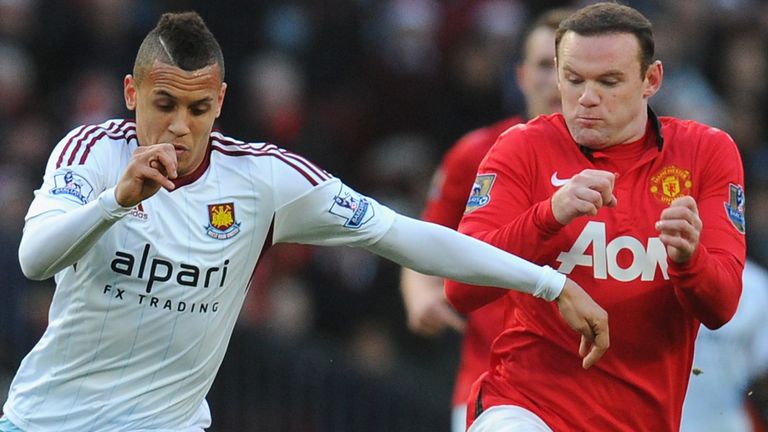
[(550, 284), (110, 206)]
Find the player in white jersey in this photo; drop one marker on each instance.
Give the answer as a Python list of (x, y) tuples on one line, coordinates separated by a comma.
[(153, 228), (728, 359)]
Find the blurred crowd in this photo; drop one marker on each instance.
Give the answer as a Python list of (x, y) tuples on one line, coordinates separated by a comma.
[(371, 90)]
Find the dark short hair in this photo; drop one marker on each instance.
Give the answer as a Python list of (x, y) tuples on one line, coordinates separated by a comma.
[(179, 39), (606, 18)]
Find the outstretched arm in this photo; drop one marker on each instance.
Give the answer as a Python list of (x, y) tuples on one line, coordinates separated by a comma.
[(433, 249)]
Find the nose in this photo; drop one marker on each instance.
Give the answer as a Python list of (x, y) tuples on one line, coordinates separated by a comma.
[(589, 96), (179, 123)]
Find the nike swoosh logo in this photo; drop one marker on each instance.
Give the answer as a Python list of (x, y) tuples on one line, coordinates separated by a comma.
[(557, 182)]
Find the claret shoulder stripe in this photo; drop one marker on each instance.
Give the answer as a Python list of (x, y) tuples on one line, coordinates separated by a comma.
[(230, 147), (86, 136)]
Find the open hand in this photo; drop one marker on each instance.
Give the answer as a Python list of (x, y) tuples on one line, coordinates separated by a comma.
[(586, 317)]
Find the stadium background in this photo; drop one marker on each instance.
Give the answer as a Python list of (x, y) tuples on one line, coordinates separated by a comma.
[(374, 92)]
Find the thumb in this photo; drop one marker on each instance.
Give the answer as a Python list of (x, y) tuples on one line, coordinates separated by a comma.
[(452, 319)]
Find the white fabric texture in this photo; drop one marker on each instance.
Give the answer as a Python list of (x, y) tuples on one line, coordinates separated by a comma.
[(727, 359), (508, 418), (436, 250)]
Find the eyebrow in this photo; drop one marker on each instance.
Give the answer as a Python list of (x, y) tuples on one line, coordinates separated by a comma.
[(610, 74), (164, 93)]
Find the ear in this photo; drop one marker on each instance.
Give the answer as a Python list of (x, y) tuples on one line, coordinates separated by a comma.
[(220, 101), (653, 78), (129, 92)]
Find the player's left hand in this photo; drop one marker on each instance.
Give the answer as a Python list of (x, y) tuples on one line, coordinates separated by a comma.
[(586, 317), (680, 229)]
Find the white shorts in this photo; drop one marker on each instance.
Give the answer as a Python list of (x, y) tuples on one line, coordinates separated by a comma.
[(508, 418), (459, 418)]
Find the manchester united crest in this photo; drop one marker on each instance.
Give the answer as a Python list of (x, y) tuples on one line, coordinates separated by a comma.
[(222, 224), (670, 183)]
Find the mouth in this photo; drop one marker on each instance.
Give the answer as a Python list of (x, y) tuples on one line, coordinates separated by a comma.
[(180, 149), (587, 120)]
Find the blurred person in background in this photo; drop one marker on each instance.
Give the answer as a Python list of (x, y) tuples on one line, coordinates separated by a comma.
[(647, 212), (428, 311), (153, 227), (726, 361)]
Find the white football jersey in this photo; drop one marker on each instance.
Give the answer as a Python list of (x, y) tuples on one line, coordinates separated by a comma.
[(727, 359), (139, 325)]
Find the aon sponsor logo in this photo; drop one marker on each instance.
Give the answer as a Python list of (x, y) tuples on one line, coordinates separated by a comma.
[(646, 258)]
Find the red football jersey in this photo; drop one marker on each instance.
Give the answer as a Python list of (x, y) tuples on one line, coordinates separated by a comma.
[(654, 305), (445, 206)]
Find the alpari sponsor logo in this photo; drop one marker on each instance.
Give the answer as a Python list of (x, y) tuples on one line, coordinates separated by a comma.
[(166, 304), (646, 258), (159, 270)]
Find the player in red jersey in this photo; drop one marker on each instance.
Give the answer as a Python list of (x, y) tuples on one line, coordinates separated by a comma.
[(646, 213), (428, 310)]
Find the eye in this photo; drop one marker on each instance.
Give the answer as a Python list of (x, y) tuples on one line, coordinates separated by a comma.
[(199, 110), (609, 82), (164, 106)]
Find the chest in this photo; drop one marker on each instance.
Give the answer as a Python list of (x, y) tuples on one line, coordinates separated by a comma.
[(195, 236)]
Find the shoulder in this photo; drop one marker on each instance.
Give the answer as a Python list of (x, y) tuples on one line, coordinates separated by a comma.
[(84, 141), (692, 131), (470, 148), (270, 159), (544, 130)]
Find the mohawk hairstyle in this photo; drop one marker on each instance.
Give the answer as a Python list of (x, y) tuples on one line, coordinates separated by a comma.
[(179, 39)]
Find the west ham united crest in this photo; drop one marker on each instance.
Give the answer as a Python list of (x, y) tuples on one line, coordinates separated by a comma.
[(222, 224), (670, 183)]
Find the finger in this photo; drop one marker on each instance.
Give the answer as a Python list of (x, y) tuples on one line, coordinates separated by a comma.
[(156, 176), (600, 345), (678, 212), (674, 226), (424, 328), (606, 191), (584, 346), (686, 201), (678, 229), (588, 200), (452, 319), (166, 162), (676, 242)]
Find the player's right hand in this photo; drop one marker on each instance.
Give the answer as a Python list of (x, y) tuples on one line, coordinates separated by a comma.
[(586, 317), (584, 194), (428, 310), (151, 167)]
